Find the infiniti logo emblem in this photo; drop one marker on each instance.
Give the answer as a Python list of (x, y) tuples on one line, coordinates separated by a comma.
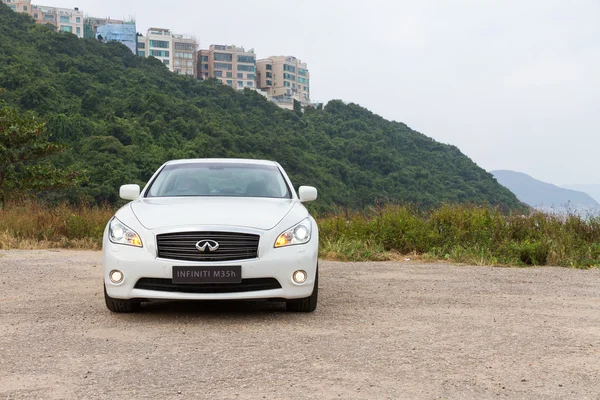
[(207, 245)]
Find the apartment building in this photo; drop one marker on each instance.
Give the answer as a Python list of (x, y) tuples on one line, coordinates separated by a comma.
[(22, 6), (159, 44), (203, 64), (91, 25), (232, 65), (177, 52), (64, 19), (185, 49), (111, 30), (284, 78), (141, 46)]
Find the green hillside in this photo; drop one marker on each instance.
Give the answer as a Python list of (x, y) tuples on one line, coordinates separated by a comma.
[(124, 115)]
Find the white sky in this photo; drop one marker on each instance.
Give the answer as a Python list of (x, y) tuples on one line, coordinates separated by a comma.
[(514, 84)]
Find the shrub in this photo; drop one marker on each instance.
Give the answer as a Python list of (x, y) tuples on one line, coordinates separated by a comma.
[(459, 233), (466, 233)]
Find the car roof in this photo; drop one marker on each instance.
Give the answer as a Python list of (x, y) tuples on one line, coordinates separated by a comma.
[(222, 161)]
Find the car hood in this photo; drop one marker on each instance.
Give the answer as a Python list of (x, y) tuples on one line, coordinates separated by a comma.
[(249, 212)]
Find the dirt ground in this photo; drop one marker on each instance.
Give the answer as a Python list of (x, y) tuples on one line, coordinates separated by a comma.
[(381, 331)]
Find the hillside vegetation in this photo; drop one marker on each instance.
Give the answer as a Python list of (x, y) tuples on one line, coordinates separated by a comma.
[(123, 116)]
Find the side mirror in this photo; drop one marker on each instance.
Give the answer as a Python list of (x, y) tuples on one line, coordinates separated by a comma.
[(307, 193), (129, 192)]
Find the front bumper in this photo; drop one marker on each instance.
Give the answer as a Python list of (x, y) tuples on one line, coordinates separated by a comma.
[(136, 263)]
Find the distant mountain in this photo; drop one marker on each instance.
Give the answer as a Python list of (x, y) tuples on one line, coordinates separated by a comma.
[(544, 195), (592, 190)]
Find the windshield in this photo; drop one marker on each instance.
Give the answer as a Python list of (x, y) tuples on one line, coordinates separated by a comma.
[(219, 179)]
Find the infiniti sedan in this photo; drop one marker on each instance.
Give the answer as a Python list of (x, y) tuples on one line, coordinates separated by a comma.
[(213, 229)]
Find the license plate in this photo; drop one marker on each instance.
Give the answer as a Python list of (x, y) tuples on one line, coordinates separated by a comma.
[(231, 274)]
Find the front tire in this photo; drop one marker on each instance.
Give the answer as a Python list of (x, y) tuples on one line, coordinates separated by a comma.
[(121, 306), (307, 304)]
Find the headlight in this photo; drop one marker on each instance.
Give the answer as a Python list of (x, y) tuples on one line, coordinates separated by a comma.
[(122, 234), (297, 234)]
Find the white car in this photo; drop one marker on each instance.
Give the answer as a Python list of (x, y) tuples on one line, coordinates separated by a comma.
[(213, 229)]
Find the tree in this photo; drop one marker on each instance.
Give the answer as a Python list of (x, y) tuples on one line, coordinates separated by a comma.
[(24, 148), (297, 108)]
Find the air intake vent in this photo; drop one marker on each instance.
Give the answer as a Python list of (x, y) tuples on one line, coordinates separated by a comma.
[(247, 285)]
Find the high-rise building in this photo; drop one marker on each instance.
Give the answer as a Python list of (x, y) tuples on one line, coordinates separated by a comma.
[(141, 46), (159, 44), (63, 19), (22, 6), (123, 32), (232, 65), (178, 52), (91, 25), (284, 78), (203, 56), (184, 55)]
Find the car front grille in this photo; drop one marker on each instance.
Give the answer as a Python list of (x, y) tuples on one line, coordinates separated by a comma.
[(247, 285), (232, 246)]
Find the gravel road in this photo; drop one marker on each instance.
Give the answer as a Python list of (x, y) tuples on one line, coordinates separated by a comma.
[(388, 330)]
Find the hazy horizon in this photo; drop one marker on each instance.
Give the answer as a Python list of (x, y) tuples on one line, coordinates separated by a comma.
[(514, 85)]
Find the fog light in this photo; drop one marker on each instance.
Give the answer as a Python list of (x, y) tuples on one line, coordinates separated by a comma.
[(116, 276), (299, 276)]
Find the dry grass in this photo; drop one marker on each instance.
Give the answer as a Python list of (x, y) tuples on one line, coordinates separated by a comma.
[(461, 234), (31, 225)]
